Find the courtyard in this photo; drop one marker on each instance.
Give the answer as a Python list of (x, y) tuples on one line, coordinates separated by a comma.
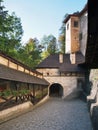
[(55, 114)]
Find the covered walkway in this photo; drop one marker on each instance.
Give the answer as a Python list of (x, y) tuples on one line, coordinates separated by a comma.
[(19, 83)]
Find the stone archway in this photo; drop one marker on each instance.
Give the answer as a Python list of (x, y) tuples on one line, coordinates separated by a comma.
[(55, 90)]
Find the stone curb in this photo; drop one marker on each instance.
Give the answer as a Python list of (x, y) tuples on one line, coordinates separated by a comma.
[(19, 110)]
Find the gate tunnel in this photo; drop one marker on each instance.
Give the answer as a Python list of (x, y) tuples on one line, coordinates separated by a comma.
[(55, 90)]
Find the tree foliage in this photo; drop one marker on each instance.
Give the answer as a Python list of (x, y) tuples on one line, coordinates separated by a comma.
[(30, 54), (10, 41), (10, 32), (52, 47), (61, 38), (49, 44)]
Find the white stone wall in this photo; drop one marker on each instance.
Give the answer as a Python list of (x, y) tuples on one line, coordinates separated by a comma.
[(83, 32), (49, 72), (93, 74), (68, 37), (93, 78), (69, 83)]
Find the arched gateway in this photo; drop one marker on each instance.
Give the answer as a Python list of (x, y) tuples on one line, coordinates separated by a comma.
[(55, 90), (63, 72)]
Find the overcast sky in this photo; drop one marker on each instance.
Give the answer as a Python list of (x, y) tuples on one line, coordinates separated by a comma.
[(42, 17)]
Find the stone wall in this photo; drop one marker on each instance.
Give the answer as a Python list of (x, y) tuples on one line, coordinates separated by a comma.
[(49, 72), (92, 99), (83, 32), (18, 110), (69, 84), (74, 34)]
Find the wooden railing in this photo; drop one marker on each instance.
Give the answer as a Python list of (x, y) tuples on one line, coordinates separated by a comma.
[(10, 98)]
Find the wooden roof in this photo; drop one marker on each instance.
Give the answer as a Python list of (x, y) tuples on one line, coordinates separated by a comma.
[(91, 56), (53, 62), (76, 14), (14, 75), (71, 68), (69, 16)]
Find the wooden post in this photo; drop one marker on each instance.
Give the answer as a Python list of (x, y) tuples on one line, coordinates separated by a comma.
[(28, 86), (33, 91), (16, 90), (42, 91)]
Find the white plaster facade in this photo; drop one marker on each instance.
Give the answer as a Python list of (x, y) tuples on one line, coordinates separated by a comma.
[(69, 83), (68, 36), (49, 72), (72, 34), (83, 32)]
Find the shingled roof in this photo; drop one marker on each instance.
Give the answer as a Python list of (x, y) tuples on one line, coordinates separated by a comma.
[(71, 68), (52, 61), (14, 75)]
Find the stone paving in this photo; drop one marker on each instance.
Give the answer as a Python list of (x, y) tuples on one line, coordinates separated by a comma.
[(55, 114)]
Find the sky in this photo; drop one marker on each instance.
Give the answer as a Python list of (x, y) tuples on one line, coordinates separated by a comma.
[(42, 17)]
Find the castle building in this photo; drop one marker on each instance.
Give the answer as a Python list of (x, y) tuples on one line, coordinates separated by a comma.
[(64, 72), (66, 79), (72, 33)]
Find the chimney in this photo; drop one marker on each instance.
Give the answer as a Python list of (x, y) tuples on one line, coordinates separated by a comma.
[(73, 58), (60, 58)]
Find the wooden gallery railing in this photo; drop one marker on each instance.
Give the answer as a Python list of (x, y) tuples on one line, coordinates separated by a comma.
[(33, 93)]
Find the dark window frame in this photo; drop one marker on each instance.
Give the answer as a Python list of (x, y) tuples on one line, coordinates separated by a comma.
[(76, 24)]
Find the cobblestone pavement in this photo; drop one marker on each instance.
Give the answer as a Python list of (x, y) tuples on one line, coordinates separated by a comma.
[(55, 114)]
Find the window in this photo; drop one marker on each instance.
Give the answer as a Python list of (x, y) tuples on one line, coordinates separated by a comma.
[(75, 23)]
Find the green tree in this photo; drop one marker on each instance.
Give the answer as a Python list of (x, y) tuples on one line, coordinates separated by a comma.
[(52, 45), (10, 32), (49, 44), (3, 28), (61, 41), (30, 54), (45, 42), (61, 38)]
